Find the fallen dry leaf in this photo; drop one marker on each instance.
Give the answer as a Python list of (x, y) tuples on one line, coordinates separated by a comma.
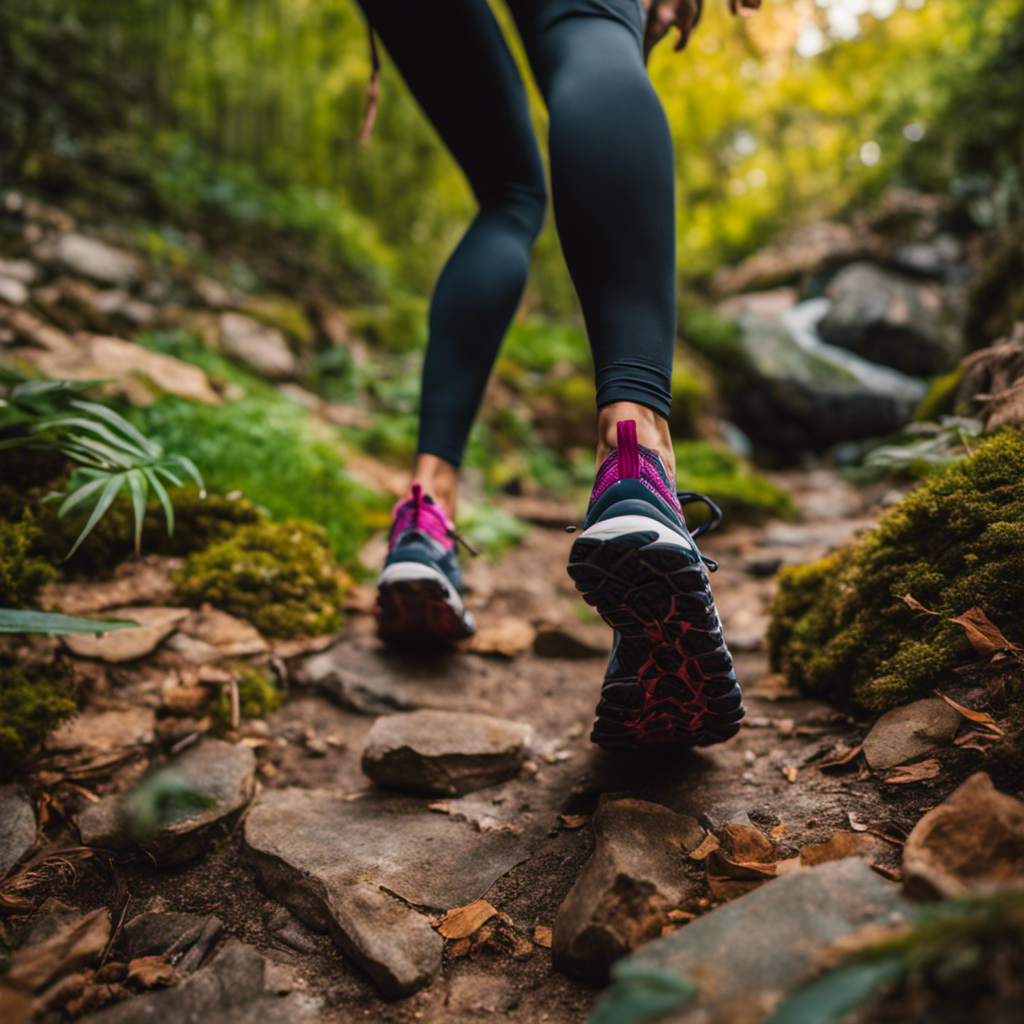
[(912, 602), (839, 846), (979, 717), (778, 831), (983, 634), (462, 922), (841, 759), (15, 1004), (915, 772), (790, 771), (506, 637), (542, 936), (150, 972), (707, 844), (573, 820), (69, 949), (746, 844), (725, 889), (864, 938), (439, 807), (724, 867)]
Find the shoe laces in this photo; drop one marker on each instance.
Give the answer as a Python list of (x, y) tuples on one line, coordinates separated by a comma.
[(409, 514)]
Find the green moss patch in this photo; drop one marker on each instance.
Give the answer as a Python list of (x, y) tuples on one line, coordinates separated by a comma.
[(839, 627), (741, 493), (21, 574), (258, 696), (279, 576), (34, 700)]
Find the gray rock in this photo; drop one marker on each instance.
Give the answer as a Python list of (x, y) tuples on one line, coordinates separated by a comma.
[(357, 869), (13, 291), (374, 680), (185, 938), (891, 319), (794, 392), (24, 271), (224, 773), (232, 980), (97, 260), (444, 753), (622, 898), (908, 732), (259, 346), (743, 956), (481, 992), (17, 827)]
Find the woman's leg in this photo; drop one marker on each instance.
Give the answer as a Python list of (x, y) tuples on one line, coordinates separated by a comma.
[(458, 66), (614, 202)]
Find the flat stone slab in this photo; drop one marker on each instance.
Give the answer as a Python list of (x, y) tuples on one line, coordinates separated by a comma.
[(910, 731), (622, 897), (17, 827), (444, 753), (219, 771), (745, 955), (368, 678), (356, 868), (155, 625)]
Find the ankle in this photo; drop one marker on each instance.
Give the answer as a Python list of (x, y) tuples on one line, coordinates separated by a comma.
[(439, 480), (651, 431)]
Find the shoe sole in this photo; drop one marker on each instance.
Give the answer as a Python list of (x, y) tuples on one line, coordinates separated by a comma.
[(416, 604), (675, 685)]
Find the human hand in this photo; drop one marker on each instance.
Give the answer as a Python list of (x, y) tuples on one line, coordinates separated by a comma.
[(684, 15)]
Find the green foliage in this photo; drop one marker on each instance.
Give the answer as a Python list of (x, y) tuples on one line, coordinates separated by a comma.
[(111, 453), (159, 801), (940, 397), (17, 620), (925, 446), (258, 696), (827, 1001), (689, 400), (490, 529), (839, 627), (639, 996), (539, 345), (34, 700), (742, 494), (279, 576), (398, 326), (270, 452)]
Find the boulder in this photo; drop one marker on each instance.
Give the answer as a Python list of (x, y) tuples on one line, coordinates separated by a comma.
[(444, 753), (358, 868), (891, 319), (622, 898), (793, 392)]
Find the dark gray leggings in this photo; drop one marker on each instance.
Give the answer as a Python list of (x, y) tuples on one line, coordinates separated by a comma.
[(611, 181)]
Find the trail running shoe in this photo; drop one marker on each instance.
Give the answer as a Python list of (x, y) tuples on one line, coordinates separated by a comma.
[(670, 679), (419, 593)]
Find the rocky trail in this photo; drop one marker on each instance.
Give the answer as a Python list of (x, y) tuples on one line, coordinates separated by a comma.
[(417, 837)]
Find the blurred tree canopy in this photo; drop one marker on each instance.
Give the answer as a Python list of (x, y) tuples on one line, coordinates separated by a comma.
[(252, 108)]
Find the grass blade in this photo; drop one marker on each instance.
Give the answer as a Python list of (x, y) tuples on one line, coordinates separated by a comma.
[(78, 496), (120, 423), (190, 467), (19, 620)]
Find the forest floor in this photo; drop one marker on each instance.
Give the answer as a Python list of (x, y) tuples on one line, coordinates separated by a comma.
[(519, 845)]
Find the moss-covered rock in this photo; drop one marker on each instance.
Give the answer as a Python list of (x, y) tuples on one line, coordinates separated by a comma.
[(279, 576), (742, 494), (839, 627), (34, 700), (996, 299)]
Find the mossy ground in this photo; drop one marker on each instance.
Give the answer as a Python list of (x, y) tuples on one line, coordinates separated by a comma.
[(839, 627), (741, 493), (279, 576), (34, 699), (258, 696)]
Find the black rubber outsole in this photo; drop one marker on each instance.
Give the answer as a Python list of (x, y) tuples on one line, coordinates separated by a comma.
[(416, 611), (674, 684)]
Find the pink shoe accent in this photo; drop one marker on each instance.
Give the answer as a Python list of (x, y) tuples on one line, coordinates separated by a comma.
[(632, 461), (420, 512), (628, 452)]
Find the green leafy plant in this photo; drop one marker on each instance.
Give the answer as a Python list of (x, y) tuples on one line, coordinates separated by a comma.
[(112, 454)]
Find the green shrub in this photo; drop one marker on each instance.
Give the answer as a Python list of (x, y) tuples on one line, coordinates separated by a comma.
[(839, 627), (34, 700), (279, 576), (742, 494)]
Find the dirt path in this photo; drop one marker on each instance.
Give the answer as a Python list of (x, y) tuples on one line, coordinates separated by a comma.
[(767, 778)]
